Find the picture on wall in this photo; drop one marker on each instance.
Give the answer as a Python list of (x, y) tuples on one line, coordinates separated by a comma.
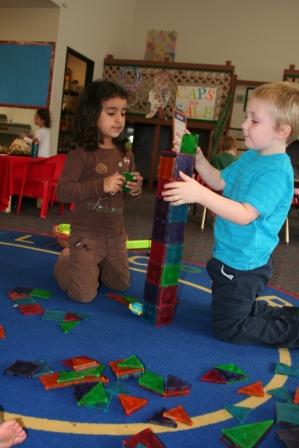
[(160, 46), (197, 102), (23, 81)]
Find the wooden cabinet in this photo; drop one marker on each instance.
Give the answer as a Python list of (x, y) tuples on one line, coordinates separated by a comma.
[(138, 78)]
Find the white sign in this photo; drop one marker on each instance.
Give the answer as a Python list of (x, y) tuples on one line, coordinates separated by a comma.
[(197, 102)]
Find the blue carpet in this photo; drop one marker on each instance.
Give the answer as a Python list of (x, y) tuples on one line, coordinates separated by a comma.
[(186, 348)]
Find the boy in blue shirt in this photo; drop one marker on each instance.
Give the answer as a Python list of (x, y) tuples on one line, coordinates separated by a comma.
[(257, 194)]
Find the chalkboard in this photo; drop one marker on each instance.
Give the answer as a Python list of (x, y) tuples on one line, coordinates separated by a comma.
[(26, 73)]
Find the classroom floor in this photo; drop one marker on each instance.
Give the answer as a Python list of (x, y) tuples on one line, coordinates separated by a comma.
[(139, 214)]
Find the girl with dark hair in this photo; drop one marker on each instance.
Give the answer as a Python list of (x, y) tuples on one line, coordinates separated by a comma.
[(43, 121), (93, 179)]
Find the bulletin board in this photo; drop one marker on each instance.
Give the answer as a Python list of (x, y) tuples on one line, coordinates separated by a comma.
[(137, 77), (26, 73)]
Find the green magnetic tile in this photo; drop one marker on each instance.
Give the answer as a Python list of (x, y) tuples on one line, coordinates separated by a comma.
[(247, 436), (95, 396), (287, 413), (44, 369), (284, 369), (240, 413), (152, 381), (25, 301), (170, 274), (40, 293), (69, 375), (129, 178), (93, 371), (56, 315), (66, 327), (131, 362), (189, 144), (230, 367), (280, 393)]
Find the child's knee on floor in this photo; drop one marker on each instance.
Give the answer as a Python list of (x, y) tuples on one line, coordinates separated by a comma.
[(82, 296)]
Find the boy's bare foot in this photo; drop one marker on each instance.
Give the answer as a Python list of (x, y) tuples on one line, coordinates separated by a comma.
[(11, 433)]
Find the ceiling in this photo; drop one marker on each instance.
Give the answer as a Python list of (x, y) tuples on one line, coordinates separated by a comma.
[(27, 4)]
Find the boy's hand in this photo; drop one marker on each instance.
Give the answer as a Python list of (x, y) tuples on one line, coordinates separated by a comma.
[(136, 185), (198, 157), (113, 184), (186, 192), (176, 144)]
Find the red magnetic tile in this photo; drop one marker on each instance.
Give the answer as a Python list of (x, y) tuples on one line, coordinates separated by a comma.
[(80, 362), (31, 310)]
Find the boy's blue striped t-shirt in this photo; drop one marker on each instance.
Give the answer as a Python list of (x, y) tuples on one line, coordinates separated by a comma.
[(267, 183)]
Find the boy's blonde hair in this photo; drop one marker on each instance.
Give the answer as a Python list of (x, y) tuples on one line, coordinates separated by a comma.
[(283, 99)]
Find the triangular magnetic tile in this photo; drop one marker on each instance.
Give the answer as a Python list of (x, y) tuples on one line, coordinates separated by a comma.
[(179, 415), (247, 436), (255, 389), (131, 404)]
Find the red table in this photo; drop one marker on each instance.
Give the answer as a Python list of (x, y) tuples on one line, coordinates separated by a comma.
[(12, 169)]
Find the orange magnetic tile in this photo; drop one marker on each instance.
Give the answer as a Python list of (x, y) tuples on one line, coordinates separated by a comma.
[(178, 414), (2, 332), (296, 396), (255, 389), (80, 363), (50, 381), (13, 295), (131, 404)]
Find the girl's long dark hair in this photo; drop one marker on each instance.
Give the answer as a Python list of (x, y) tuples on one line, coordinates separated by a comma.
[(86, 133)]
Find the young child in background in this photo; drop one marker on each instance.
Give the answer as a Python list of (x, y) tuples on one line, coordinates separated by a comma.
[(11, 433), (257, 194), (93, 179), (43, 121), (227, 153)]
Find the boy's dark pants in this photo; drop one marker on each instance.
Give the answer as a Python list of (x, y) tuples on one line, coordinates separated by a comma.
[(238, 317)]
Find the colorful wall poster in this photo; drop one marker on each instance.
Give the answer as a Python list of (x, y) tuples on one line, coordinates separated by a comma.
[(197, 102)]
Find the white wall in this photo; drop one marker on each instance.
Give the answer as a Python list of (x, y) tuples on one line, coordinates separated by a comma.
[(27, 24), (94, 28), (260, 37)]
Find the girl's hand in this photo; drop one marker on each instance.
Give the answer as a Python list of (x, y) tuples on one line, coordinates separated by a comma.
[(113, 184), (136, 185), (186, 192)]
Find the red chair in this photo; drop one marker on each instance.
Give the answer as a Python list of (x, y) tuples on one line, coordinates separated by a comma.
[(37, 183), (59, 160)]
